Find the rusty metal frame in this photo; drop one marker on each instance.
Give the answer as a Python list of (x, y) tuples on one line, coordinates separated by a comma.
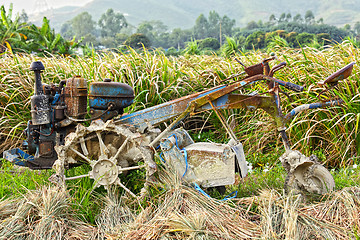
[(222, 97)]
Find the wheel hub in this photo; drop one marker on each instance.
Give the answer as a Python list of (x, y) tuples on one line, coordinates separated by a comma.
[(105, 172)]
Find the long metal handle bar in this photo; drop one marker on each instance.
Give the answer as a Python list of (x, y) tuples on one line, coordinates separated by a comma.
[(179, 108)]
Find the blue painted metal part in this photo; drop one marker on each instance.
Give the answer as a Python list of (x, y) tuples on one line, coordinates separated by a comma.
[(18, 157), (221, 102), (101, 94), (103, 103), (56, 98), (304, 107), (163, 112)]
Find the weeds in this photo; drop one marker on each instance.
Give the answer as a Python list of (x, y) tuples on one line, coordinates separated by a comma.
[(157, 79), (179, 212)]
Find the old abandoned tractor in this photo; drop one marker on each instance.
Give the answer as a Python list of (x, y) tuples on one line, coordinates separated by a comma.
[(115, 143)]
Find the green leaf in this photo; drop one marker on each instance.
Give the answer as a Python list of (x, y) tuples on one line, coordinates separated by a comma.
[(56, 40), (3, 17)]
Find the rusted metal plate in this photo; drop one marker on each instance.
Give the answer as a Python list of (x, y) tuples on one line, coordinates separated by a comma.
[(76, 97), (339, 75), (255, 69), (46, 148)]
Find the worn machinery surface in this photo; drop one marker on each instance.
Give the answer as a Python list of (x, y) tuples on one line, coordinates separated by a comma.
[(115, 143)]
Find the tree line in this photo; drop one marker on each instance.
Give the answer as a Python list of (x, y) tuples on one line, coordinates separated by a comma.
[(209, 33), (212, 33)]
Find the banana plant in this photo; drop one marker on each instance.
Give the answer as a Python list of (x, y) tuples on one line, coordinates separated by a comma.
[(49, 42), (231, 47), (11, 32)]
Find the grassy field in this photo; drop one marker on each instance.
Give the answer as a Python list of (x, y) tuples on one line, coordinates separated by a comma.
[(31, 208)]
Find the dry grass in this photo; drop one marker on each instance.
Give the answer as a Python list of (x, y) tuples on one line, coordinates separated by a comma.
[(180, 212), (42, 214), (183, 213), (293, 217)]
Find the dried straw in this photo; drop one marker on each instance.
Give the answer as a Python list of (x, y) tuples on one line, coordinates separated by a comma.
[(42, 214)]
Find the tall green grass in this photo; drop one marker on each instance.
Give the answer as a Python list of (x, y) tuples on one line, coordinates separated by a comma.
[(157, 79), (174, 211), (333, 130)]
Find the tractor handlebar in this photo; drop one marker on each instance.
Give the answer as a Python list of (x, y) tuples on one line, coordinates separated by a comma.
[(291, 86)]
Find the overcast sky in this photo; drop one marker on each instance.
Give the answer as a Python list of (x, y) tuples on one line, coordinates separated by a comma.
[(31, 6)]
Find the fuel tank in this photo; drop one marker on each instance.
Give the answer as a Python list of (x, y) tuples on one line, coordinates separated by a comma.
[(102, 94)]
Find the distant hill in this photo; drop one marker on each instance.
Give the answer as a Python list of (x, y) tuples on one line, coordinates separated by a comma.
[(182, 14)]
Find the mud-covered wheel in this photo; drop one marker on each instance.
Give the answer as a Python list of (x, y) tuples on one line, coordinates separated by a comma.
[(319, 180), (110, 149), (315, 179)]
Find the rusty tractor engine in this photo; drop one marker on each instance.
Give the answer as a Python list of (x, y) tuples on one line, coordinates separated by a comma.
[(56, 109)]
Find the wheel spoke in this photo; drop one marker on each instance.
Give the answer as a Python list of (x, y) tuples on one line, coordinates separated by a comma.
[(83, 146), (81, 155), (130, 168), (77, 177), (121, 148), (118, 182), (103, 149)]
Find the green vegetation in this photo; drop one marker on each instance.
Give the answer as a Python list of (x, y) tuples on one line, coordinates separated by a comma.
[(20, 37), (29, 207), (296, 31), (213, 34)]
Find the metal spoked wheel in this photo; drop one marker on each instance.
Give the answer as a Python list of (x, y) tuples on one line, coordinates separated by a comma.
[(109, 149)]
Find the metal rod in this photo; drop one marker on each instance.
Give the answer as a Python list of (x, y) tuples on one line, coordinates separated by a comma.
[(77, 177), (81, 155), (226, 125), (131, 168), (122, 147), (125, 188), (285, 140)]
